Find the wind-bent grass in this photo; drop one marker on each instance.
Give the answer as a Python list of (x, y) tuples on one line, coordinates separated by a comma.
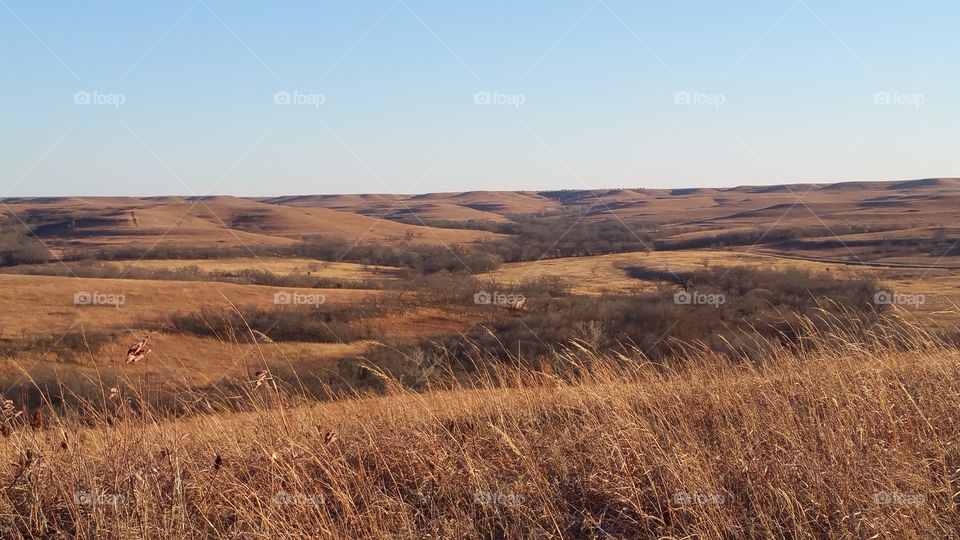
[(849, 435)]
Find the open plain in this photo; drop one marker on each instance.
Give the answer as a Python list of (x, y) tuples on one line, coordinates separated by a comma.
[(377, 365)]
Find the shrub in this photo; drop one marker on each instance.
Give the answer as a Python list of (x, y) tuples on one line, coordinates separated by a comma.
[(18, 246)]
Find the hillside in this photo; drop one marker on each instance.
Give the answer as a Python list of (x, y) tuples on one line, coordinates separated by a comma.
[(891, 222), (212, 221), (855, 440)]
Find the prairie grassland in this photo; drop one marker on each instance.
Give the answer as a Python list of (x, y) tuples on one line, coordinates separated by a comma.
[(852, 434), (607, 273), (277, 265), (182, 223), (46, 304), (178, 360)]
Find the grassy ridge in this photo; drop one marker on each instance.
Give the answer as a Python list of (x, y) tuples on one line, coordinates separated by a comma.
[(854, 438)]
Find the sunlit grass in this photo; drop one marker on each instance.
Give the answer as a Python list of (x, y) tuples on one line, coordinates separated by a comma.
[(854, 433)]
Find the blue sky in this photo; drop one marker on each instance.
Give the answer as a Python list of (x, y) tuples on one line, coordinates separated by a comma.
[(409, 96)]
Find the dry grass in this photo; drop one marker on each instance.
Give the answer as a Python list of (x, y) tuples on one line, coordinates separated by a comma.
[(607, 273), (857, 438), (602, 274), (45, 304), (216, 221), (177, 359), (277, 265)]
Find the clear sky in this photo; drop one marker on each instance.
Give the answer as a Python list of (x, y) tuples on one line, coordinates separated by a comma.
[(409, 96)]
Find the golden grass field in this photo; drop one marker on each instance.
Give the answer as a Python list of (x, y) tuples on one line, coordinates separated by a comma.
[(45, 304), (180, 361), (277, 265), (855, 440), (606, 273), (213, 221), (847, 430), (919, 206)]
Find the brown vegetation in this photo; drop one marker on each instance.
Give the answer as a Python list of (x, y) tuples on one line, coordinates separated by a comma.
[(565, 364), (856, 439)]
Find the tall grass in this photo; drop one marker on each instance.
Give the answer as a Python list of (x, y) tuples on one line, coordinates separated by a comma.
[(851, 434)]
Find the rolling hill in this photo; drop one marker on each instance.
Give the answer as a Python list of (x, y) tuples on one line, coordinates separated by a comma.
[(920, 206)]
